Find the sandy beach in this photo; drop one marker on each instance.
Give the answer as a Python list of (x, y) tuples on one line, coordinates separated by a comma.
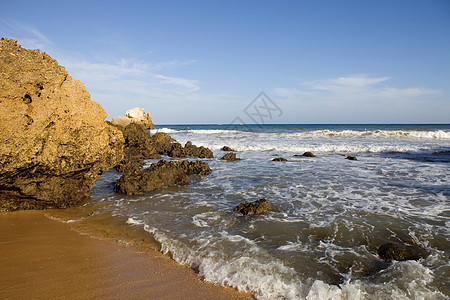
[(41, 258)]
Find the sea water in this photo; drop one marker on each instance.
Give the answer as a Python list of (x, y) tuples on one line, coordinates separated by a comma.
[(331, 214)]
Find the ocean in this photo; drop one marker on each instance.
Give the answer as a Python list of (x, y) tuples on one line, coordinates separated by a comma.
[(331, 214)]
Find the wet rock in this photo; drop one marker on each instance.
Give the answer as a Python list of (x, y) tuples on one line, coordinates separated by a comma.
[(400, 252), (308, 154), (230, 157), (177, 151), (54, 141), (136, 116), (279, 159), (138, 146), (160, 175), (351, 157), (254, 208), (162, 142), (226, 148), (200, 152)]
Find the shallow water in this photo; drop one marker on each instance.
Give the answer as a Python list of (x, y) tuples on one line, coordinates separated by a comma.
[(331, 214)]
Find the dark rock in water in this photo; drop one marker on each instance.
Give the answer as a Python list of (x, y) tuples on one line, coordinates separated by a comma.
[(308, 154), (279, 159), (351, 157), (177, 151), (400, 252), (162, 142), (160, 175), (254, 208), (200, 152), (54, 141), (138, 146), (230, 157), (226, 148)]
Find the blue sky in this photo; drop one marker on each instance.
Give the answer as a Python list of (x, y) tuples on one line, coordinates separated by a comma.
[(191, 62)]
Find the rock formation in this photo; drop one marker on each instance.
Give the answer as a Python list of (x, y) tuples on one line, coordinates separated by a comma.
[(351, 158), (226, 148), (230, 157), (308, 154), (279, 159), (159, 175), (135, 115), (254, 208), (54, 141)]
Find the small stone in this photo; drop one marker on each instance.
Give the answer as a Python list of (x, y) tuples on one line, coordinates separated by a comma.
[(279, 159), (351, 157), (308, 154), (226, 148)]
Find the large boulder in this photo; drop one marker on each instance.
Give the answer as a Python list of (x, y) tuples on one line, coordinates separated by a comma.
[(54, 141), (136, 116), (159, 175)]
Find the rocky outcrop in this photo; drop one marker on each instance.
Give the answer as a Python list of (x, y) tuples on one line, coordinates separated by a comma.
[(140, 145), (351, 157), (226, 148), (134, 116), (200, 152), (254, 208), (54, 141), (230, 157), (279, 159), (160, 175), (399, 252)]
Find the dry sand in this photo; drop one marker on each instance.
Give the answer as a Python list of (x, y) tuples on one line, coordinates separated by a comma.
[(41, 258)]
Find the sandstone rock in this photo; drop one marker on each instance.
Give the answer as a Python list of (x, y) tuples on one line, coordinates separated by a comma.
[(230, 157), (226, 148), (162, 142), (279, 159), (177, 151), (400, 252), (254, 208), (135, 115), (351, 158), (160, 175), (54, 141), (200, 152)]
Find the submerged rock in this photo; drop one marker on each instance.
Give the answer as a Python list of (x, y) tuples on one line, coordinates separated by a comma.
[(160, 175), (351, 157), (230, 157), (254, 208), (134, 116), (54, 141), (400, 252), (279, 159), (228, 149)]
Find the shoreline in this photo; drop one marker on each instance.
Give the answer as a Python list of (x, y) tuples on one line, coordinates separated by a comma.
[(44, 258)]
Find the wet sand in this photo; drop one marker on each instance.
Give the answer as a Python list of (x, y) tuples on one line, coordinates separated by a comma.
[(41, 258)]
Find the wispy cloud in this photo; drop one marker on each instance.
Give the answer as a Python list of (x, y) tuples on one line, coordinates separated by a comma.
[(360, 86), (28, 35)]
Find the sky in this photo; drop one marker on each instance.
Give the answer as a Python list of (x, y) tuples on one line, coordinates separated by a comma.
[(207, 62)]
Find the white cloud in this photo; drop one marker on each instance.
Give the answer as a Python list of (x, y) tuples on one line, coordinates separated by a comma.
[(188, 85), (361, 87), (27, 35)]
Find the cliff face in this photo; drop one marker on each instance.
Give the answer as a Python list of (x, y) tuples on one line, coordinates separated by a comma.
[(54, 141)]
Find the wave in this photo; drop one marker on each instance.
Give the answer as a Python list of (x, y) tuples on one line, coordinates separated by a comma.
[(401, 134)]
